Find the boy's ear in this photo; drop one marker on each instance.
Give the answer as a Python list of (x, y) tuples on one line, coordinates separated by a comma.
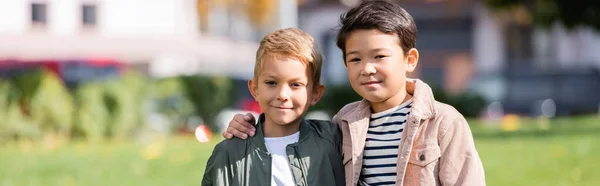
[(412, 59), (317, 94), (252, 86)]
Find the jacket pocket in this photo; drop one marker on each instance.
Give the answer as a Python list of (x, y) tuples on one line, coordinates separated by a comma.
[(425, 156)]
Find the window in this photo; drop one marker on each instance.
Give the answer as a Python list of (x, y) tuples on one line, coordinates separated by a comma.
[(38, 13), (88, 15)]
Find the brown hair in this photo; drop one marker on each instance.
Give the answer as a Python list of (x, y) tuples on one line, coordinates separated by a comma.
[(381, 15)]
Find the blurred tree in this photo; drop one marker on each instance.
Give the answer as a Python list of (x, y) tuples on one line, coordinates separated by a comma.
[(170, 99), (14, 123), (92, 115), (26, 85), (52, 105), (125, 101), (545, 12), (203, 9), (210, 95)]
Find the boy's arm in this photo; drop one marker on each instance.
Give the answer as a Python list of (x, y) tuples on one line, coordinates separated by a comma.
[(459, 162), (215, 172), (242, 126)]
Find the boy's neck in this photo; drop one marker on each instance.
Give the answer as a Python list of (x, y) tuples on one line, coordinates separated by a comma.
[(272, 130), (401, 97)]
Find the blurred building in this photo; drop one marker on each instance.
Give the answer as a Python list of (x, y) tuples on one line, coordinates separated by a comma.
[(465, 46), (161, 36), (451, 33)]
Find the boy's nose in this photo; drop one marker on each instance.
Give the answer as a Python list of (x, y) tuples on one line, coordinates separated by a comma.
[(368, 69), (284, 93)]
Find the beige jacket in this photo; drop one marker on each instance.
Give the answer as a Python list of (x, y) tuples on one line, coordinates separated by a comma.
[(436, 147)]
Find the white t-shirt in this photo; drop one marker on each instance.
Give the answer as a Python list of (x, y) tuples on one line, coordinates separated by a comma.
[(281, 174)]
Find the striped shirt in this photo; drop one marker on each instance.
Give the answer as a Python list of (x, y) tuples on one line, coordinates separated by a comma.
[(381, 148)]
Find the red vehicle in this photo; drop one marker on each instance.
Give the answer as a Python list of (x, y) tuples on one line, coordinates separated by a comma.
[(72, 72)]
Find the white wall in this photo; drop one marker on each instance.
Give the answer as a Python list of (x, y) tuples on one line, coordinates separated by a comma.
[(115, 18), (63, 16), (147, 17), (14, 16)]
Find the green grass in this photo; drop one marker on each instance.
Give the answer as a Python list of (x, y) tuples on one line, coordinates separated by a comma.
[(564, 154), (175, 161)]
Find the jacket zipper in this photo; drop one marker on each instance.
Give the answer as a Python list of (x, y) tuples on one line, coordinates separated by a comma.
[(302, 168)]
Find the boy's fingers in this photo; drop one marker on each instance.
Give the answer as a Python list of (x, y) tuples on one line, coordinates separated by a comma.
[(247, 121), (250, 118), (227, 135), (232, 131), (240, 125)]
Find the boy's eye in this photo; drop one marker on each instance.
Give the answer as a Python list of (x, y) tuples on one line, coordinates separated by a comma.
[(297, 85), (354, 60), (270, 82), (379, 56)]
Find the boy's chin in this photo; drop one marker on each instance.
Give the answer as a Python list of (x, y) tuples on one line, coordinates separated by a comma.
[(374, 97), (283, 120)]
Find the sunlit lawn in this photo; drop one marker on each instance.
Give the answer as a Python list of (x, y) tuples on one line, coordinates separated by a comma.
[(566, 154)]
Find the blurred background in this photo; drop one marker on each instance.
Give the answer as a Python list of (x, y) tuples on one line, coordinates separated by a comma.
[(110, 92)]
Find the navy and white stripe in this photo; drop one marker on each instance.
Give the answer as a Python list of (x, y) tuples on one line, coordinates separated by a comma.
[(381, 148)]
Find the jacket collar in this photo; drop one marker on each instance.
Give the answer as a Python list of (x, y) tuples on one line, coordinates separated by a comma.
[(423, 105), (259, 138)]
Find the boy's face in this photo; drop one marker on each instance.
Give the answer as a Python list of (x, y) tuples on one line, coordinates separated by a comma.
[(377, 65), (284, 90)]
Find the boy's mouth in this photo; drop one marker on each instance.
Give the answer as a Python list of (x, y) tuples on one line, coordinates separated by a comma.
[(281, 107), (370, 83)]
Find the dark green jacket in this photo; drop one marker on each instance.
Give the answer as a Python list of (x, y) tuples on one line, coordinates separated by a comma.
[(315, 159)]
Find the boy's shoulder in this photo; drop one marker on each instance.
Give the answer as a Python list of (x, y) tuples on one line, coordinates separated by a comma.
[(348, 108), (446, 112), (323, 127), (231, 146)]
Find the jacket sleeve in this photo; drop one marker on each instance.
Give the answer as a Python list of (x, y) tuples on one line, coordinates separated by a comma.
[(459, 162), (215, 173)]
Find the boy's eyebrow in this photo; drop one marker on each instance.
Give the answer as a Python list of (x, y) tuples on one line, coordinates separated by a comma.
[(352, 52), (294, 79), (378, 49), (372, 50), (271, 76)]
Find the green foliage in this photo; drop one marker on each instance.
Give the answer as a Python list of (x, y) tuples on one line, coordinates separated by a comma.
[(92, 116), (468, 104), (27, 85), (210, 95), (546, 12), (169, 96), (14, 124), (51, 105), (125, 100), (38, 103)]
